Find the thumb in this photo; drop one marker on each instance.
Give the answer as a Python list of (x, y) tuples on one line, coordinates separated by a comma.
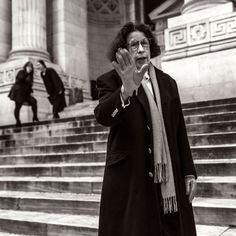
[(143, 70), (116, 66), (187, 185)]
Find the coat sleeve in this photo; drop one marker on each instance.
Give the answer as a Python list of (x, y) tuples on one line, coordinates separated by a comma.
[(109, 111), (185, 154)]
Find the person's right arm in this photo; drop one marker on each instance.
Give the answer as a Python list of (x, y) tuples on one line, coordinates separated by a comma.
[(115, 100), (110, 110)]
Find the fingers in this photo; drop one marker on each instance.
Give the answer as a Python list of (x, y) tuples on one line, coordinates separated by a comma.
[(138, 74), (143, 69), (123, 58), (187, 185), (193, 188), (117, 67)]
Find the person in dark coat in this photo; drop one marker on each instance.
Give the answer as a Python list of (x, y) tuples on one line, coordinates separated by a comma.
[(149, 179), (21, 92), (54, 87)]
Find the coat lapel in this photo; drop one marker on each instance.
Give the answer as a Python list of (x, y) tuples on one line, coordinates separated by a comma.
[(164, 94), (142, 98)]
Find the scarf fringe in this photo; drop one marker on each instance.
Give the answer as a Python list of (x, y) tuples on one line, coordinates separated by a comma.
[(170, 205), (160, 173)]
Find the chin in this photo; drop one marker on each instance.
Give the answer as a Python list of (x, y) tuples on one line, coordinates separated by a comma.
[(138, 65)]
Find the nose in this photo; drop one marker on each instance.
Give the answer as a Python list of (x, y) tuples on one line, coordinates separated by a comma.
[(140, 47)]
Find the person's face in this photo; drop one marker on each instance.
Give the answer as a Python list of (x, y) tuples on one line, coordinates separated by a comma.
[(29, 68), (40, 66), (139, 48)]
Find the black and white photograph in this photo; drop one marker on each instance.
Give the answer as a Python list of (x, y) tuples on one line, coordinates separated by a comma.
[(117, 118)]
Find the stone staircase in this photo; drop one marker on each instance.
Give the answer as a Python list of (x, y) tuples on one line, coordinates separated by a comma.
[(51, 173)]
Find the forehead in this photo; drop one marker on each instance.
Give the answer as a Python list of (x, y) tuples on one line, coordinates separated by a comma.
[(136, 35)]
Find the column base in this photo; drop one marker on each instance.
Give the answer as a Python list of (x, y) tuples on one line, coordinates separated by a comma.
[(33, 53)]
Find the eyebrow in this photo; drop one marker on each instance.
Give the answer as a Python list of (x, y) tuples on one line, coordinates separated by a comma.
[(137, 40)]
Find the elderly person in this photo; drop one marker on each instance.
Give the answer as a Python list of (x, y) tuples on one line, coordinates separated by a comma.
[(21, 92), (150, 179)]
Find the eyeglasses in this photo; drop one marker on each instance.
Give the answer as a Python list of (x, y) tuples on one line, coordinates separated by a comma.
[(134, 44)]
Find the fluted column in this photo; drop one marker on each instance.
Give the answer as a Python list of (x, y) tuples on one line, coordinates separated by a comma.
[(197, 5), (29, 29)]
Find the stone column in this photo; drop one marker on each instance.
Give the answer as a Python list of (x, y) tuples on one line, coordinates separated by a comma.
[(29, 29), (197, 5), (5, 23)]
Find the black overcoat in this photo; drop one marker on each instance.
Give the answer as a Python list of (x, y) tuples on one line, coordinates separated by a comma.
[(22, 88), (54, 85), (130, 202)]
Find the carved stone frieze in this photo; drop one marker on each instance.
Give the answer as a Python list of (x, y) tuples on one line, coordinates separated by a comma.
[(204, 31)]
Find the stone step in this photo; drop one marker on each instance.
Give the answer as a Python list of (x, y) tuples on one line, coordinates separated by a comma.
[(206, 118), (98, 136), (46, 124), (227, 151), (87, 185), (54, 170), (215, 230), (215, 211), (209, 103), (56, 148), (217, 186), (78, 109), (9, 234), (48, 132), (62, 203), (216, 167), (41, 224), (73, 157), (212, 139), (210, 109), (211, 127)]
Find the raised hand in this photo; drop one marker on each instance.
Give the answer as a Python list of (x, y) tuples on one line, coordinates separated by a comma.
[(125, 66)]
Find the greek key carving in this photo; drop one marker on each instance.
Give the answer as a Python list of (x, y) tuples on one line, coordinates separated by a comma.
[(207, 31), (223, 27), (178, 38)]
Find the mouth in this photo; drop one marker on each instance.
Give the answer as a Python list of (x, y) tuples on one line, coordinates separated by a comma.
[(141, 59)]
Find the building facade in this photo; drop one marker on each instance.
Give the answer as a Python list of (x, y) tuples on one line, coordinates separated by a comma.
[(72, 36), (199, 39)]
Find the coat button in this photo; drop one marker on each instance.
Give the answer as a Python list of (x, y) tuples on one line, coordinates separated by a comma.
[(148, 128), (150, 174), (149, 150)]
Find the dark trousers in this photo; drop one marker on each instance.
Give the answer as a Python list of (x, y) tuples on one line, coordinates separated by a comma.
[(31, 101)]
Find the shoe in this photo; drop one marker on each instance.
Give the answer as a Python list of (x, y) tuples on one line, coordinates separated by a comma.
[(35, 119), (18, 124), (56, 116)]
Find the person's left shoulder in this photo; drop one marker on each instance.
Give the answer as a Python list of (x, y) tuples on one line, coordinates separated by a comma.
[(50, 69), (163, 75), (166, 78)]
